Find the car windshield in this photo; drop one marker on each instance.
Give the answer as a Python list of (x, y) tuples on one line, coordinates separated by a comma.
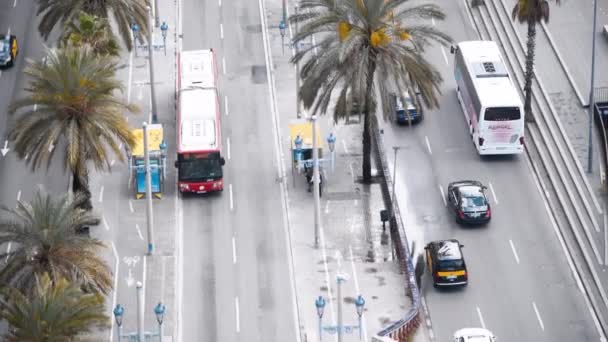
[(473, 202), (4, 45), (450, 265), (199, 169)]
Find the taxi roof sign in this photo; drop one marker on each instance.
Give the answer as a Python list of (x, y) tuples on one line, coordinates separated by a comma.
[(155, 138)]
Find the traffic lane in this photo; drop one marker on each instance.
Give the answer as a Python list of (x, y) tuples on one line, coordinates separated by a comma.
[(570, 26), (200, 22), (512, 178), (200, 316)]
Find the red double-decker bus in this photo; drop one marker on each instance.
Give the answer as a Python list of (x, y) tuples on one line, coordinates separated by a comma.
[(199, 149)]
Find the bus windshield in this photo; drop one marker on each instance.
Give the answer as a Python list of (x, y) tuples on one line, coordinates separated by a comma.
[(199, 169), (502, 114)]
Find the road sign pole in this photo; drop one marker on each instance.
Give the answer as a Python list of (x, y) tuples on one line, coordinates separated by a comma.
[(140, 312), (149, 214)]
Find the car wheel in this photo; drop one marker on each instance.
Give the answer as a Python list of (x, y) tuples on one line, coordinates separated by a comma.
[(435, 285), (458, 219)]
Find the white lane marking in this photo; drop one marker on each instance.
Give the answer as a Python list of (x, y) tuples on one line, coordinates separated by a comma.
[(9, 31), (327, 206), (428, 144), (18, 195), (233, 250), (120, 146), (221, 31), (514, 251), (112, 162), (540, 320), (139, 231), (116, 265), (493, 192), (483, 324), (27, 155), (105, 223), (226, 105), (344, 145), (8, 250), (224, 65), (442, 194), (14, 3), (220, 3), (101, 194), (228, 148), (236, 312), (445, 56), (433, 21), (352, 172), (231, 198), (131, 207)]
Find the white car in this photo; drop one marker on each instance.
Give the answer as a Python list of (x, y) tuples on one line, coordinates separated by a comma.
[(474, 335)]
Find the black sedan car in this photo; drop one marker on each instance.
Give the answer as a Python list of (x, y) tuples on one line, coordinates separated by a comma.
[(8, 50), (468, 201)]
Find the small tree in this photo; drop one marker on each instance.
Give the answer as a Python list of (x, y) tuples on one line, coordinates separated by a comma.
[(91, 31), (55, 311)]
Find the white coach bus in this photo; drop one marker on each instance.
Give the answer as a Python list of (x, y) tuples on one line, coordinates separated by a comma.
[(491, 104)]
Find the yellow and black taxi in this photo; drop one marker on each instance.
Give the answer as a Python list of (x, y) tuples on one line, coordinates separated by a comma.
[(8, 50), (446, 263)]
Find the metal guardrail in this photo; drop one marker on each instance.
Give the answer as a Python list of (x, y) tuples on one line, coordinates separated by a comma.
[(601, 120), (402, 329)]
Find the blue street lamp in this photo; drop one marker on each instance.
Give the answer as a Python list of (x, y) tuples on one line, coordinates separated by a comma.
[(340, 329), (159, 311), (298, 142), (135, 29), (331, 142), (163, 29), (320, 304), (282, 27)]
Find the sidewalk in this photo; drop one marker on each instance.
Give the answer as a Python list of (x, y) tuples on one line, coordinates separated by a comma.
[(352, 241), (123, 226)]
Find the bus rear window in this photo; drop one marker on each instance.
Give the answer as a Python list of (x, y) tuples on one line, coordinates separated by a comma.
[(502, 114)]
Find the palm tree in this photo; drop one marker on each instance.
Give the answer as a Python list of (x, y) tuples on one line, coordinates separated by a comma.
[(124, 13), (43, 238), (57, 311), (72, 105), (367, 47), (530, 12), (92, 31)]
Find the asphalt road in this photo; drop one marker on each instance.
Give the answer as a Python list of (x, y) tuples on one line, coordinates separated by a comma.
[(16, 179), (520, 284), (235, 276)]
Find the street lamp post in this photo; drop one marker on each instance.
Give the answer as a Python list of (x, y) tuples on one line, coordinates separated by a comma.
[(282, 27), (340, 328), (298, 143), (156, 13), (163, 29), (140, 335), (591, 95), (331, 142), (151, 65), (315, 176), (135, 29), (149, 213)]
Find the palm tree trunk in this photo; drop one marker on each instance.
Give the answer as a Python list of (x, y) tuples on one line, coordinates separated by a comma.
[(80, 183), (367, 138), (530, 45)]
